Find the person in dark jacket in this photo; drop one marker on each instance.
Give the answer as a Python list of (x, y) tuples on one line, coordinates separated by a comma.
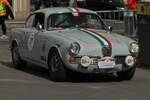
[(46, 3), (56, 3), (8, 11), (37, 4)]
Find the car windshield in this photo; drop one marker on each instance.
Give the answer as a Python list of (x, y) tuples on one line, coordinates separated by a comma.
[(75, 20)]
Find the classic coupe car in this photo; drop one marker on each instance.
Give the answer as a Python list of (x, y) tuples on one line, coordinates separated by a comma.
[(72, 39)]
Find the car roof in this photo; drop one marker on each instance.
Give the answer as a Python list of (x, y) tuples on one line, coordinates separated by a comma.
[(52, 10)]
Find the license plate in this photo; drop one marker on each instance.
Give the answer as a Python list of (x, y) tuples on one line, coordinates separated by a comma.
[(106, 62)]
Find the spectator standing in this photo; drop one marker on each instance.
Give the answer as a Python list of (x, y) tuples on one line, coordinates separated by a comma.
[(56, 3), (72, 3), (37, 4), (8, 11), (132, 6), (3, 5), (47, 3)]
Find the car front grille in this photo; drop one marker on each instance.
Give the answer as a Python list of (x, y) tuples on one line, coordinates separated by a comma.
[(120, 59), (107, 51)]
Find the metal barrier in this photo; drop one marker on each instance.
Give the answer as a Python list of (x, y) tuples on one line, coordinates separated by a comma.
[(122, 21)]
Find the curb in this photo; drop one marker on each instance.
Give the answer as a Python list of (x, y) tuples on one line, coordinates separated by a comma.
[(10, 24), (14, 21), (4, 40)]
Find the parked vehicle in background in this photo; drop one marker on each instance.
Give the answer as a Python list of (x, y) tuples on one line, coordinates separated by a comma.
[(66, 39)]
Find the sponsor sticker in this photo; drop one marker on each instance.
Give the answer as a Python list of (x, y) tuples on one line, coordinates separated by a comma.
[(75, 14), (31, 41), (106, 62)]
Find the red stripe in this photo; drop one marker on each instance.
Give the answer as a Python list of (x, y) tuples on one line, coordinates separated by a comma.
[(109, 43), (78, 11)]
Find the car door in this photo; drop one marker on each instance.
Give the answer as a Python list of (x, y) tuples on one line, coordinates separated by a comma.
[(36, 41), (29, 32), (32, 37)]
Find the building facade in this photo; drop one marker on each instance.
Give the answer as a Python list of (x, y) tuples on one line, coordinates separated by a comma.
[(21, 9)]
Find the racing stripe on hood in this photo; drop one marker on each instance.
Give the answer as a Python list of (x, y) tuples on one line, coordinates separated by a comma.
[(108, 43), (102, 40), (91, 34), (73, 10)]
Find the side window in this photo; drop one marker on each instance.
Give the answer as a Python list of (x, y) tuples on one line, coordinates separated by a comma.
[(35, 19), (30, 21), (39, 19)]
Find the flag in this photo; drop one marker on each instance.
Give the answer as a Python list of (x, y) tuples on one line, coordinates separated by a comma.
[(72, 3), (132, 4)]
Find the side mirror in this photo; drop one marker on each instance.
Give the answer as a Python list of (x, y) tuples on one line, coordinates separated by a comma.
[(110, 28), (39, 27)]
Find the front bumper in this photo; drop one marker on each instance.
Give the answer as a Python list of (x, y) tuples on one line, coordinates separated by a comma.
[(95, 67)]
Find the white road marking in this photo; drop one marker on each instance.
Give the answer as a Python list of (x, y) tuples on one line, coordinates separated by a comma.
[(17, 80)]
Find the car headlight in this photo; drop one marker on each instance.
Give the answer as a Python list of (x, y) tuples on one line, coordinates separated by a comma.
[(74, 48), (134, 48)]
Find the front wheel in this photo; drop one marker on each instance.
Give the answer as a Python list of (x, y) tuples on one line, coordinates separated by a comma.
[(56, 67), (127, 75)]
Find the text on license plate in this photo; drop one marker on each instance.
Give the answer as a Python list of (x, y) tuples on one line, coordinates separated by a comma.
[(106, 62)]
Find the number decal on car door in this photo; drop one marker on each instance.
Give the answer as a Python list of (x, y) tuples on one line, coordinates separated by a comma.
[(31, 41)]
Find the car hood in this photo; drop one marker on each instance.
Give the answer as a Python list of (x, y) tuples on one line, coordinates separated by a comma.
[(92, 41)]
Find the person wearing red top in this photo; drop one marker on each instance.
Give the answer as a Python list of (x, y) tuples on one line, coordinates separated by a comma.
[(132, 17), (132, 4)]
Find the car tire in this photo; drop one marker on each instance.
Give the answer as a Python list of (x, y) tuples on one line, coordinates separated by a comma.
[(16, 59), (127, 75), (57, 69)]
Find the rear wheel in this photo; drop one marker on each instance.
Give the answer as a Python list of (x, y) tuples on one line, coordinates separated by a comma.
[(127, 75), (56, 67), (16, 59)]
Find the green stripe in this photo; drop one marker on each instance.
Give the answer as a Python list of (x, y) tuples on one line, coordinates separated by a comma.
[(99, 40), (70, 9)]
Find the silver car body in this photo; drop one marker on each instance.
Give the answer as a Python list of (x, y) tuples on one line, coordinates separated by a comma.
[(35, 45)]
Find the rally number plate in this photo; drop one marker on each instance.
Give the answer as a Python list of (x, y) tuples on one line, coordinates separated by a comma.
[(106, 63)]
